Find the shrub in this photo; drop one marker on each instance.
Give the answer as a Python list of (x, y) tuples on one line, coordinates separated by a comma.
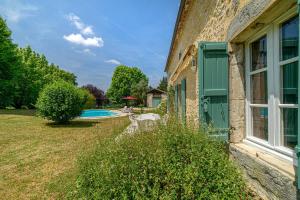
[(24, 107), (60, 102), (90, 100), (10, 108), (162, 108), (171, 163)]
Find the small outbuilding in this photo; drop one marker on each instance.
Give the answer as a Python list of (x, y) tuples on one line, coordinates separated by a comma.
[(154, 97)]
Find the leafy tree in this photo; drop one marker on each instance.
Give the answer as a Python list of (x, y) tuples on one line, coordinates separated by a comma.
[(98, 93), (89, 99), (122, 81), (61, 101), (150, 87), (9, 61), (24, 73), (163, 85), (139, 90), (33, 74)]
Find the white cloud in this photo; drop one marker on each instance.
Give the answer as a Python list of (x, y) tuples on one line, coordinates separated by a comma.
[(88, 51), (80, 40), (15, 10), (113, 61), (87, 31), (83, 28), (86, 37)]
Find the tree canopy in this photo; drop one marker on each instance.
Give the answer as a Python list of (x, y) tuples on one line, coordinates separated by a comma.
[(123, 79), (24, 73), (96, 92), (139, 90), (163, 84), (9, 62)]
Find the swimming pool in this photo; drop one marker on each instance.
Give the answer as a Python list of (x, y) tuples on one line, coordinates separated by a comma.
[(97, 113)]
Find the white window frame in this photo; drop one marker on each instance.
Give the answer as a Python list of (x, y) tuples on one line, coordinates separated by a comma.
[(273, 75)]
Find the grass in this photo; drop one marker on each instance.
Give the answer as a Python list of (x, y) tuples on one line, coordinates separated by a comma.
[(38, 158)]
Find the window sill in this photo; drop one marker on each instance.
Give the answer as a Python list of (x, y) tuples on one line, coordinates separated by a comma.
[(283, 152), (276, 160)]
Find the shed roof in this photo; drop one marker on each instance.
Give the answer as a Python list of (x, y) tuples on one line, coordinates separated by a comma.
[(155, 90)]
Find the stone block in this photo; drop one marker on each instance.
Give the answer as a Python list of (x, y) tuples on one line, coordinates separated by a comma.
[(266, 180)]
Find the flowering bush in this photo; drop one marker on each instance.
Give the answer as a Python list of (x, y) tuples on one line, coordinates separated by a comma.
[(172, 162)]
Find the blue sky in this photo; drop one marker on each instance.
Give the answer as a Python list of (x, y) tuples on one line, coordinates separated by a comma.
[(91, 37)]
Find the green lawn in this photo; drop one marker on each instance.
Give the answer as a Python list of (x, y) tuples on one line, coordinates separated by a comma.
[(38, 158)]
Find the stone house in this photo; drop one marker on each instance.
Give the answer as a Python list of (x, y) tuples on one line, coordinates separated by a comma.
[(155, 97), (234, 65)]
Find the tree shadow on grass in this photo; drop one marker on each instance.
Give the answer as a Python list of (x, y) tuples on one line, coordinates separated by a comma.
[(73, 124)]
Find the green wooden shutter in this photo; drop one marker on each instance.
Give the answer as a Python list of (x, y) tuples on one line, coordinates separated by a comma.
[(297, 148), (213, 89), (176, 100), (183, 100)]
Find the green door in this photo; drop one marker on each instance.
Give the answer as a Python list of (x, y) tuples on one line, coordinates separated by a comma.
[(213, 88), (156, 101)]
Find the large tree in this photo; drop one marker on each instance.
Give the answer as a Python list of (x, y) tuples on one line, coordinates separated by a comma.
[(123, 79), (33, 74), (9, 61), (139, 90), (24, 73), (163, 85), (97, 93)]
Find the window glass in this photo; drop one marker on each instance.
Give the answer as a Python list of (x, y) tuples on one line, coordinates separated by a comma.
[(289, 32), (289, 83), (260, 122), (259, 88), (289, 127), (259, 54)]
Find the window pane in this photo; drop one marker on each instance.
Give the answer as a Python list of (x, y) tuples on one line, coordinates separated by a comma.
[(260, 122), (289, 38), (259, 88), (289, 83), (289, 127), (259, 54)]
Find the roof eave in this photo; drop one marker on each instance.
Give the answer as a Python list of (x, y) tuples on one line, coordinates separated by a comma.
[(182, 3)]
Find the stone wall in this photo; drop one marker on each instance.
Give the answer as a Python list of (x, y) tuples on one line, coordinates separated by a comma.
[(164, 97), (237, 90), (204, 21), (266, 180), (216, 20), (149, 100), (191, 95)]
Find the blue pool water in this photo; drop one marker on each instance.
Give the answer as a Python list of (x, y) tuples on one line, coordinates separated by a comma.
[(97, 113)]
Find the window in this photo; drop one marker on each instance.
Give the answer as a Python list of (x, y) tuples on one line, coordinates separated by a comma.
[(259, 88), (272, 85), (289, 31)]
